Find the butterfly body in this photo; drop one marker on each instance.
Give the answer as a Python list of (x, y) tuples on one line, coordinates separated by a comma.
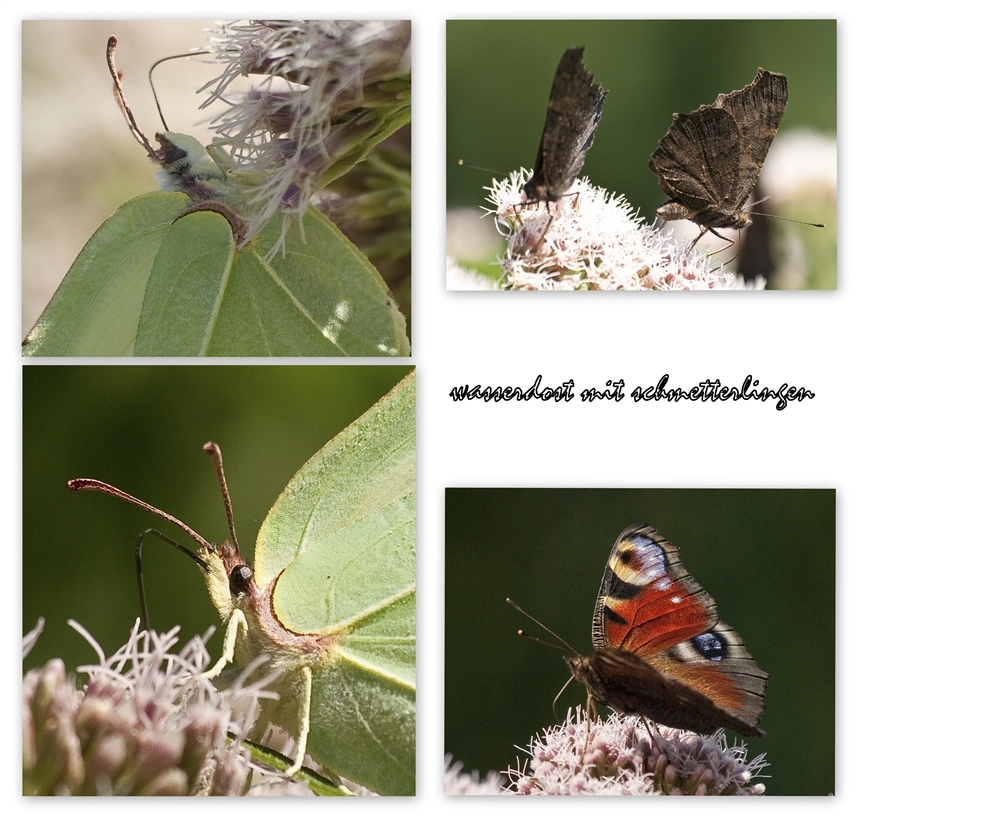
[(709, 160), (573, 114), (189, 167), (661, 650)]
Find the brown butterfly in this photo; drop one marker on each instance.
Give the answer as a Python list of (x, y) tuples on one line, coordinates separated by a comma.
[(709, 160), (573, 113), (661, 650)]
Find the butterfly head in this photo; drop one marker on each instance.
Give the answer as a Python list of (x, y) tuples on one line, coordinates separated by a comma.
[(229, 580), (185, 164), (537, 191), (188, 167)]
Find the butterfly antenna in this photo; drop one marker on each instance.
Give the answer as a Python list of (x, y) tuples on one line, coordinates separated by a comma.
[(142, 597), (522, 633), (102, 487), (785, 219), (465, 164), (563, 644), (213, 450), (151, 80), (118, 93)]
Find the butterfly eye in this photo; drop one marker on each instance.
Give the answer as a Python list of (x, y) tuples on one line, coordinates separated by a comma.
[(710, 646), (240, 577), (174, 155)]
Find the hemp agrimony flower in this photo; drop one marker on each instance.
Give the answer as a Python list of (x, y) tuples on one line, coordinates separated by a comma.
[(622, 755), (455, 781), (590, 239), (630, 755), (332, 91), (147, 723)]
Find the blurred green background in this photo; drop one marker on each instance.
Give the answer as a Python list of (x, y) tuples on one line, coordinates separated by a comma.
[(499, 74), (767, 556), (142, 428)]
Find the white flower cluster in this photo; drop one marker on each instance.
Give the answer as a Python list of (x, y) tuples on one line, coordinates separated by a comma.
[(591, 239)]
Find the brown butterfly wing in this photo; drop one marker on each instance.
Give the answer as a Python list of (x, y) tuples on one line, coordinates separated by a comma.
[(709, 160), (757, 111), (661, 650), (717, 666), (573, 114), (628, 684), (697, 161)]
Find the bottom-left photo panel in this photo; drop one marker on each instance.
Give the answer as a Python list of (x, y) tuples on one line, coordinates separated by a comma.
[(219, 580)]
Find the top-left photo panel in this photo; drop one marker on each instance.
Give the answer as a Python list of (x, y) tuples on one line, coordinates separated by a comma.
[(198, 188)]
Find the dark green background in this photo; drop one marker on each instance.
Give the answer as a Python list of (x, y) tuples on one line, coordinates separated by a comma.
[(142, 428), (767, 556), (499, 74)]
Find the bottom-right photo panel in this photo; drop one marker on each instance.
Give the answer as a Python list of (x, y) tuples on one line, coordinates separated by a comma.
[(640, 641)]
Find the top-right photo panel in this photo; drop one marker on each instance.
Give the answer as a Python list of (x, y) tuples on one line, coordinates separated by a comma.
[(641, 155)]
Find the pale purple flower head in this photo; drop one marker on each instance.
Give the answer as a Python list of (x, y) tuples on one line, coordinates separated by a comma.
[(147, 723), (629, 755), (455, 781)]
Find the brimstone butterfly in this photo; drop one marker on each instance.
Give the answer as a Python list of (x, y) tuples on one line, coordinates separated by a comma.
[(331, 598), (164, 275)]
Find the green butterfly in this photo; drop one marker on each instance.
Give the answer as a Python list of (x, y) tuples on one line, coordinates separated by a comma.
[(167, 274), (331, 600)]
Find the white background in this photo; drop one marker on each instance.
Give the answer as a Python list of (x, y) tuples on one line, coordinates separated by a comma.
[(896, 358)]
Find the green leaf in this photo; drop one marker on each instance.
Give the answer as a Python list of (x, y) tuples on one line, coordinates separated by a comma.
[(153, 282)]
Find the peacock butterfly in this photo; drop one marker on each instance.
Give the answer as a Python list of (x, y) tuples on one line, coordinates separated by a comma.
[(661, 650)]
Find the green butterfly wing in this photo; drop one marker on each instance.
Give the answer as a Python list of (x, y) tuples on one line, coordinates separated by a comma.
[(152, 283), (95, 310), (341, 542)]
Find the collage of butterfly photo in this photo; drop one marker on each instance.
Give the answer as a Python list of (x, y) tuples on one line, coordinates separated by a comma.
[(703, 175), (304, 566)]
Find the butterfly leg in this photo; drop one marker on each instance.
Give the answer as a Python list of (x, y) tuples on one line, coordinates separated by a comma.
[(237, 621), (724, 239), (544, 234), (238, 227), (546, 227), (590, 709), (715, 233), (305, 705), (703, 232)]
